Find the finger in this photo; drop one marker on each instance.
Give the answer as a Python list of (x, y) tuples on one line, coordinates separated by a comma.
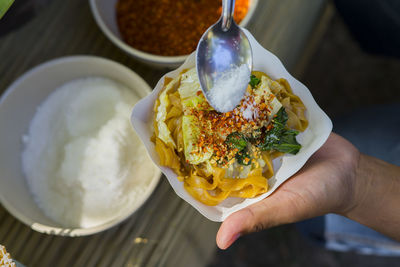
[(283, 206), (242, 222)]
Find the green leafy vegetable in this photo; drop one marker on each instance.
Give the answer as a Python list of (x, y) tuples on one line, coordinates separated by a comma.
[(279, 138), (288, 142), (236, 140), (254, 81), (239, 141), (241, 157), (4, 6)]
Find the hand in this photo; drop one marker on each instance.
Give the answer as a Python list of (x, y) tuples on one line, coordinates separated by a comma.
[(325, 184)]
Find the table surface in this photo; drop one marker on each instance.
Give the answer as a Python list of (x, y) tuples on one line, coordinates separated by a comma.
[(166, 231)]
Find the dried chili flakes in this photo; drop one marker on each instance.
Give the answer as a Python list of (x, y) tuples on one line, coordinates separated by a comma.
[(169, 27)]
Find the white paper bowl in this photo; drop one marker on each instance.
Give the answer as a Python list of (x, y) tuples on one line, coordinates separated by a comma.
[(104, 14), (315, 135), (17, 107)]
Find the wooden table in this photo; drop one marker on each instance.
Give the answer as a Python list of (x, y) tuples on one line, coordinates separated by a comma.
[(166, 231)]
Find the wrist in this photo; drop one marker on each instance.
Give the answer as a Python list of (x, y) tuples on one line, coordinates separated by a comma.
[(358, 186), (347, 167)]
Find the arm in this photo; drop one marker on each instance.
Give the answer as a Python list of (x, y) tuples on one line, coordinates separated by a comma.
[(336, 179), (377, 195)]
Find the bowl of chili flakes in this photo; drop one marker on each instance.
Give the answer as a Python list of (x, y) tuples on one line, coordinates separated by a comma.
[(162, 33)]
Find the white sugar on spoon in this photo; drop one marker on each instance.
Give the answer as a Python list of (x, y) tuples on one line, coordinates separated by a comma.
[(229, 88)]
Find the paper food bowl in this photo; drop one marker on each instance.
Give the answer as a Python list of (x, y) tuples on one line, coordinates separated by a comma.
[(17, 107), (311, 139)]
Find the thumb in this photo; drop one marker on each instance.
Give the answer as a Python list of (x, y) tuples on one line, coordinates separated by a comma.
[(269, 212)]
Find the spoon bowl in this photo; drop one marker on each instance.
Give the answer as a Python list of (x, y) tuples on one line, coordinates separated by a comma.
[(224, 54)]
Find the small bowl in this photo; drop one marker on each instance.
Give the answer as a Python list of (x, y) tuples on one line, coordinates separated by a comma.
[(17, 107), (104, 13)]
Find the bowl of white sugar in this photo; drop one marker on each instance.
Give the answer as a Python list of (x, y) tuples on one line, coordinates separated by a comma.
[(70, 161)]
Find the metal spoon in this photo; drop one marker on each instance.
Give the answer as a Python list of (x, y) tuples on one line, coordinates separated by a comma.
[(222, 48)]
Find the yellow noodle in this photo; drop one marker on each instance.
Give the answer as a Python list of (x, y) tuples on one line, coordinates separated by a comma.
[(269, 170), (292, 103), (205, 196)]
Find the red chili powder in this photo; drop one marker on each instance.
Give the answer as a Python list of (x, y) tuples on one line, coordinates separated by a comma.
[(169, 27)]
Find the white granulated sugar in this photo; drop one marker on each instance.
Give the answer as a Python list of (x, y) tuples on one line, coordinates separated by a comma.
[(248, 113), (250, 110), (229, 87), (82, 160)]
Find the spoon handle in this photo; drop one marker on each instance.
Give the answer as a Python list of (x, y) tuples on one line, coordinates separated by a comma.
[(228, 7)]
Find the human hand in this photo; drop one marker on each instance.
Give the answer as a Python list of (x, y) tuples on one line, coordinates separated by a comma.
[(325, 184)]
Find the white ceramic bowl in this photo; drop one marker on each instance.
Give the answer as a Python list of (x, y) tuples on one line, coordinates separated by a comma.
[(17, 107), (104, 14)]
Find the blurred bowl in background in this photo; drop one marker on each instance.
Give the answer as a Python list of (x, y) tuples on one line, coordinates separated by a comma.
[(104, 12), (18, 105)]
